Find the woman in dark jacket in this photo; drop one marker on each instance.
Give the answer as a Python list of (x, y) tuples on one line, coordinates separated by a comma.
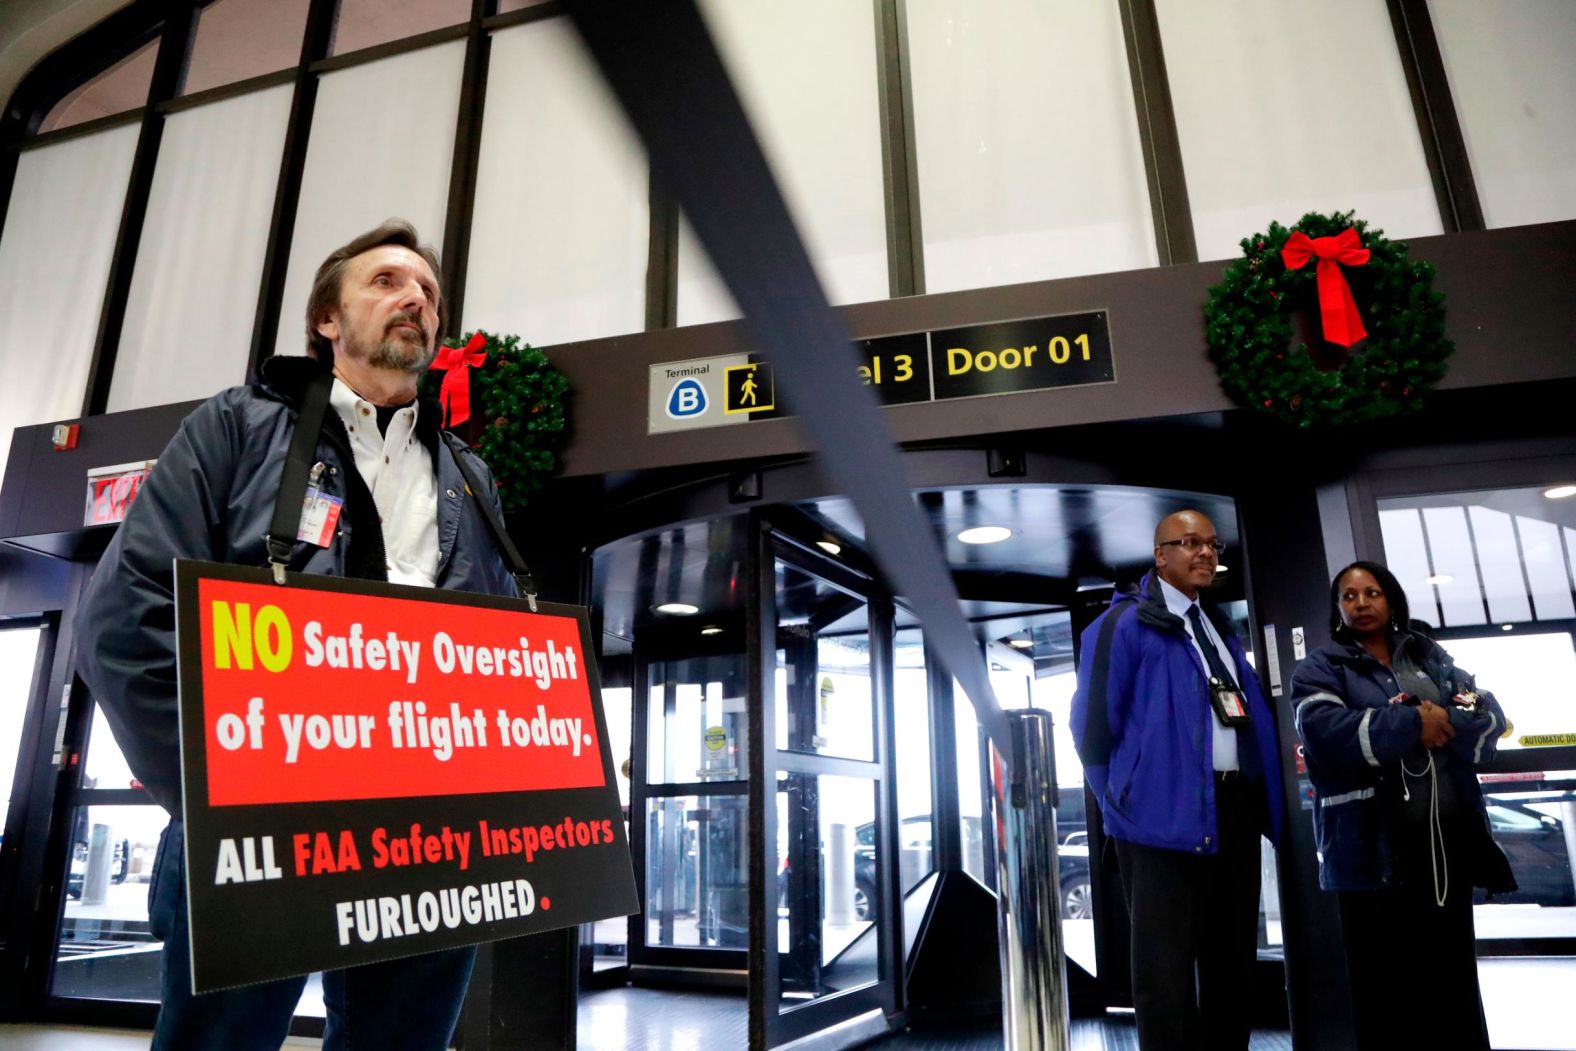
[(1393, 732)]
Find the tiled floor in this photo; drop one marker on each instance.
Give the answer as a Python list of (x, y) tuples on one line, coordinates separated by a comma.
[(1521, 994)]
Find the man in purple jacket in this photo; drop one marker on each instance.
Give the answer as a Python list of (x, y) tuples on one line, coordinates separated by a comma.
[(1179, 747)]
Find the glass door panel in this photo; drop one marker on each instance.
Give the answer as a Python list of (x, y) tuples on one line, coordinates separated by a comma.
[(106, 951), (692, 813), (831, 946), (828, 915), (911, 727), (696, 721), (697, 871)]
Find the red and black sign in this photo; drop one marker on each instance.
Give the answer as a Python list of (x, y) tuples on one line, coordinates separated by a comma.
[(373, 771)]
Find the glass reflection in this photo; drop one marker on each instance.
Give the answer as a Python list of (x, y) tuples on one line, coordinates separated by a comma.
[(106, 950), (824, 700), (828, 891), (911, 724), (697, 872), (697, 727)]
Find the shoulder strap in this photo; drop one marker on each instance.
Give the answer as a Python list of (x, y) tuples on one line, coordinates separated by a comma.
[(281, 535), (1097, 724), (511, 554)]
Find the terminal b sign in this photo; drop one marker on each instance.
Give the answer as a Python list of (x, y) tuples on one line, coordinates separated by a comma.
[(1009, 357)]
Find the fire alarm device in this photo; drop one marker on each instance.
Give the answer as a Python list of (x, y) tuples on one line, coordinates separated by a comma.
[(65, 436)]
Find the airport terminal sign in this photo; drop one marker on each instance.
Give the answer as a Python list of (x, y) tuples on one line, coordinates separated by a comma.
[(999, 358), (373, 771)]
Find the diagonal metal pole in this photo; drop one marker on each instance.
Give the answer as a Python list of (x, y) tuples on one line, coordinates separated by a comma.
[(664, 68)]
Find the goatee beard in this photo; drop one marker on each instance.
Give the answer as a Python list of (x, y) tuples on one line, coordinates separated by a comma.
[(403, 350)]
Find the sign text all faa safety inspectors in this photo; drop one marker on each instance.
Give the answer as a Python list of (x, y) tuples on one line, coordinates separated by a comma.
[(373, 771), (1005, 357)]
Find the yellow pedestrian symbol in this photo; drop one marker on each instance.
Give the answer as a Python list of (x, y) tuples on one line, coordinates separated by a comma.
[(748, 389)]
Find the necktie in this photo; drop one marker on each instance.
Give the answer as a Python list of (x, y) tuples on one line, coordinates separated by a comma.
[(1247, 748)]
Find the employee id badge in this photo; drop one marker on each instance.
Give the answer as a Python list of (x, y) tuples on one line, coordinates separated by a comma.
[(319, 516), (1231, 707)]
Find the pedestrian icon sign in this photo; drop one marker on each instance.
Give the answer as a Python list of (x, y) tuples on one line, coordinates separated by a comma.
[(749, 389)]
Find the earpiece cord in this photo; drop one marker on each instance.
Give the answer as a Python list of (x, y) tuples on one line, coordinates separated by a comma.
[(1436, 830)]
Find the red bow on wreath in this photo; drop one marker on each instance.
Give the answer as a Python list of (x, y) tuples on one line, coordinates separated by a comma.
[(1342, 324), (456, 364)]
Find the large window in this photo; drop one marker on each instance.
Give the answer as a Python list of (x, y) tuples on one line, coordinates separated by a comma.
[(1514, 88), (1288, 108), (55, 255), (1010, 130), (201, 255), (807, 75), (1494, 572), (382, 144), (1027, 144), (559, 240)]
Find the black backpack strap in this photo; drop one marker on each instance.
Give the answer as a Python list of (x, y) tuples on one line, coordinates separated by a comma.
[(511, 554), (1097, 723), (281, 536)]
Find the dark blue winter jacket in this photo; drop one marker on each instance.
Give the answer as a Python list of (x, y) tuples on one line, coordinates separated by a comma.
[(1141, 721), (1354, 740), (211, 496)]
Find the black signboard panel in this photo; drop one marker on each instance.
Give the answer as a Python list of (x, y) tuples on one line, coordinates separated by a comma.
[(1011, 356), (372, 771)]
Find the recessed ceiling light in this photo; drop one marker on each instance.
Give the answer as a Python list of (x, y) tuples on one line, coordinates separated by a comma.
[(1022, 644), (711, 629), (1441, 578), (677, 609), (989, 534), (1222, 569), (1507, 627), (1560, 492), (831, 547)]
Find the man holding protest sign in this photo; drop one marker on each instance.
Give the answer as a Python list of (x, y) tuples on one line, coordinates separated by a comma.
[(385, 501)]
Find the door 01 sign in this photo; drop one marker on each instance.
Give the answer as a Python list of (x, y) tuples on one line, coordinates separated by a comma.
[(373, 771)]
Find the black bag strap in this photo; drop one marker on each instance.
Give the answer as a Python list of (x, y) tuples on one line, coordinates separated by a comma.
[(511, 554), (281, 536)]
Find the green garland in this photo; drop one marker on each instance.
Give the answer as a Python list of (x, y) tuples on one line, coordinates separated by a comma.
[(518, 420), (1249, 326)]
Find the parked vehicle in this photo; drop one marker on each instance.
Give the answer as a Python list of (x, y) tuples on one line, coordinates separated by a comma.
[(119, 866), (915, 860)]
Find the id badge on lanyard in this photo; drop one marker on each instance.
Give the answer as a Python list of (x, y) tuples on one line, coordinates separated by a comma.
[(319, 512), (1231, 707)]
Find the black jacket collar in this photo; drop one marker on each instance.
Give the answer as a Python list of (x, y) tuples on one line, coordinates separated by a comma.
[(285, 377)]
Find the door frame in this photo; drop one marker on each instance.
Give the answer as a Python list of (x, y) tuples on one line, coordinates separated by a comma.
[(869, 1006)]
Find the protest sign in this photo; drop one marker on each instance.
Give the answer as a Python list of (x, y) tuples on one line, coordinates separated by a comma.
[(373, 771)]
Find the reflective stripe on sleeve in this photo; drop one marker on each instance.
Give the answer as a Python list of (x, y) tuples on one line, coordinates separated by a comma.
[(1314, 698), (1492, 728), (1347, 797), (1362, 739)]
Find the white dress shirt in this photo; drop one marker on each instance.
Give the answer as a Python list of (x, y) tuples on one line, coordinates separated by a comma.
[(399, 471), (1225, 750)]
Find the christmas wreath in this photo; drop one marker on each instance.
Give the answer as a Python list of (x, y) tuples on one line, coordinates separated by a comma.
[(1381, 345), (507, 401)]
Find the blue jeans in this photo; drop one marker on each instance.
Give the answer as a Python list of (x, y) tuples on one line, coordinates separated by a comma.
[(410, 1003)]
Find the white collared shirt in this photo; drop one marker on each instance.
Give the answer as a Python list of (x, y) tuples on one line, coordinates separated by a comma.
[(1225, 737), (398, 470)]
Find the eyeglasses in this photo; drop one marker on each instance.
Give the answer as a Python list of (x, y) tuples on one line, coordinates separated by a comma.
[(1190, 544)]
